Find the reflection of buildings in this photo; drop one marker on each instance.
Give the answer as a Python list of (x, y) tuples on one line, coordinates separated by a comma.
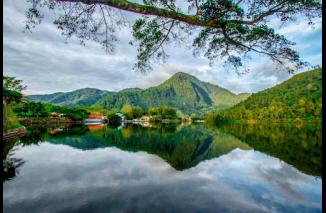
[(55, 131), (94, 127), (145, 118)]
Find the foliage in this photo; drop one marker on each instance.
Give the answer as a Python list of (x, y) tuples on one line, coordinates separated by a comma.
[(112, 111), (11, 83), (137, 112), (127, 110), (37, 109), (76, 113), (298, 97), (31, 109), (10, 96), (10, 120), (12, 89), (132, 112), (228, 30), (162, 112)]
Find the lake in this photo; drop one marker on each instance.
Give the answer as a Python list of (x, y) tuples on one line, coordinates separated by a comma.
[(164, 168)]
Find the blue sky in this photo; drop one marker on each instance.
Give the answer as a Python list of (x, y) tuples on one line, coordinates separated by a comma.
[(47, 64)]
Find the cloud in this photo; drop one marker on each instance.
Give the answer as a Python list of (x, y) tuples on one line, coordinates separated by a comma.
[(47, 64)]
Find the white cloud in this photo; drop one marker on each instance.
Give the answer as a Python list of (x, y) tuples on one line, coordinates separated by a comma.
[(46, 64)]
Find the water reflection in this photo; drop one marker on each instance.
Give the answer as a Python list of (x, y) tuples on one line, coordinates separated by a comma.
[(299, 146), (189, 168), (182, 147), (10, 163)]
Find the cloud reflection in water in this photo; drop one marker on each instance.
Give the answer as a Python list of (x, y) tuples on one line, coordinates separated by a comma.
[(60, 178)]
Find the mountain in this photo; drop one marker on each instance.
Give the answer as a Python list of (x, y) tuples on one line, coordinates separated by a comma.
[(182, 91), (298, 97), (86, 97)]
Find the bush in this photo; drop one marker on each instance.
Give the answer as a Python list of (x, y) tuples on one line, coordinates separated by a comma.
[(10, 121)]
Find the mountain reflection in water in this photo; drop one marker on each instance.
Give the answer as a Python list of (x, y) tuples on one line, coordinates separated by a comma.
[(166, 168)]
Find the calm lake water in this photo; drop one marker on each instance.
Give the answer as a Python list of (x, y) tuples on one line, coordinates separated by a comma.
[(166, 168)]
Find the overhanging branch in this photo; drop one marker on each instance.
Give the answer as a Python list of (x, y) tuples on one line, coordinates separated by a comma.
[(151, 10)]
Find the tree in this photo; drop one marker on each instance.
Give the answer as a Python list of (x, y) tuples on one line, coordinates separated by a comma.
[(11, 83), (221, 29), (12, 89), (127, 110), (112, 111), (77, 114), (137, 112), (162, 112)]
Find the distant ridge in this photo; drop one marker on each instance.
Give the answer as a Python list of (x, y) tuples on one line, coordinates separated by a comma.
[(86, 97)]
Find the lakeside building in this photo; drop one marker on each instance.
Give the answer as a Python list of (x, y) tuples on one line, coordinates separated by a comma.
[(95, 119), (122, 116)]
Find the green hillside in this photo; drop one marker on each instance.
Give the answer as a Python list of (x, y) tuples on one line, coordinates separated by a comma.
[(182, 91), (86, 97), (298, 97)]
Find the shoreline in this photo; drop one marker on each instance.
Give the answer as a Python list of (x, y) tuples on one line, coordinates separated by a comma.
[(28, 121)]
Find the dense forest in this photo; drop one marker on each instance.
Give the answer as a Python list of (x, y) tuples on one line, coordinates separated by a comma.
[(300, 97)]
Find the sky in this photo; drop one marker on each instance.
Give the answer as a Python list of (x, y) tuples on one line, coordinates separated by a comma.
[(47, 63)]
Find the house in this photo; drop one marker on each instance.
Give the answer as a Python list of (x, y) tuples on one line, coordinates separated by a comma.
[(95, 118), (55, 114), (62, 115), (122, 116)]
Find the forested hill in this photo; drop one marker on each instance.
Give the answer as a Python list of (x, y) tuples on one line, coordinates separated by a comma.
[(86, 97), (182, 91), (298, 97)]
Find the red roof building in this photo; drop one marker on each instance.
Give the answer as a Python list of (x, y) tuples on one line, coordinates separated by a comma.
[(96, 116)]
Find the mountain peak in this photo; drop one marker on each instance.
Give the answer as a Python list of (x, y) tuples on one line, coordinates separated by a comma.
[(183, 76)]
